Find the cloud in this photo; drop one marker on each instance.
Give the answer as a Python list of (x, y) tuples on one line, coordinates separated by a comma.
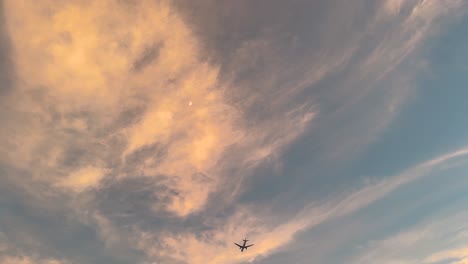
[(215, 246), (386, 72), (376, 70), (85, 65), (29, 260), (117, 111), (457, 256), (11, 255), (102, 88), (393, 6), (83, 178), (7, 73), (438, 239)]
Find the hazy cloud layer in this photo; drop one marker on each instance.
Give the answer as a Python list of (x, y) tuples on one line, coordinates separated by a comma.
[(164, 131)]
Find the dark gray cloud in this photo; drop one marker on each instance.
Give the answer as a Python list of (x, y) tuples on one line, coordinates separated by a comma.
[(140, 202), (36, 221), (149, 55), (133, 201)]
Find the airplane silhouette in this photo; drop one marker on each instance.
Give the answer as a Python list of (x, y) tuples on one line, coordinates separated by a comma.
[(243, 246)]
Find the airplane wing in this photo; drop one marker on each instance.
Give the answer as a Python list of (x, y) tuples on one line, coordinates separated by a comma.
[(249, 246), (238, 245)]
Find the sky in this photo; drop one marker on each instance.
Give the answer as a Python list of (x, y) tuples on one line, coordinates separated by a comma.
[(164, 131)]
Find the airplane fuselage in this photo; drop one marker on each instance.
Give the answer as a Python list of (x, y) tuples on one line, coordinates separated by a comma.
[(243, 246)]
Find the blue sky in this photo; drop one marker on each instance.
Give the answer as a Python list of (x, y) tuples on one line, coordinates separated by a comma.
[(164, 131)]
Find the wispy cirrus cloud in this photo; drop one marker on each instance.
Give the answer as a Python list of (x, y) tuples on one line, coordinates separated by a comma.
[(269, 238), (437, 240), (330, 226), (456, 256), (151, 140), (213, 245)]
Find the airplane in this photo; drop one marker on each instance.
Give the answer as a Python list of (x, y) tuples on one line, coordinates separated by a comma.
[(243, 246)]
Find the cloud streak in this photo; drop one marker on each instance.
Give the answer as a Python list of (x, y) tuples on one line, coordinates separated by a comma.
[(213, 246), (437, 240)]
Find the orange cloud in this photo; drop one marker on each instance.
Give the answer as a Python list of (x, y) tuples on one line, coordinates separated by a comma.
[(217, 246), (82, 179), (29, 260), (458, 255), (83, 53), (105, 57)]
